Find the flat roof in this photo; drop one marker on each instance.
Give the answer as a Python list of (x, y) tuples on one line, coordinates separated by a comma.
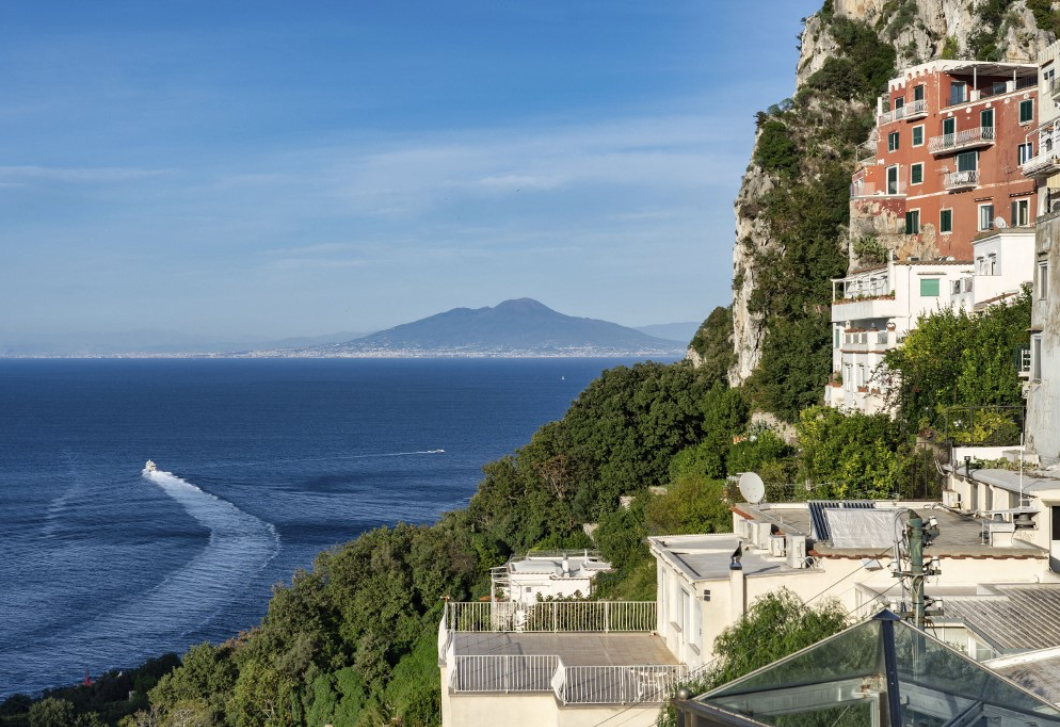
[(708, 557), (576, 649), (1009, 480), (959, 534)]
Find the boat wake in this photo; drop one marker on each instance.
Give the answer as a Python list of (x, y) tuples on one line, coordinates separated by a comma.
[(239, 546)]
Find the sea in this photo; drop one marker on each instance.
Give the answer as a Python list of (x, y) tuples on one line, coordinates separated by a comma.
[(262, 464)]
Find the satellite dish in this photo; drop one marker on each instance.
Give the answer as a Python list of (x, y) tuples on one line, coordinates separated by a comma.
[(752, 488), (999, 223)]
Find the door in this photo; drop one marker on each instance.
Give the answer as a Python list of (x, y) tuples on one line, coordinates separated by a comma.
[(892, 180), (1054, 545), (949, 128)]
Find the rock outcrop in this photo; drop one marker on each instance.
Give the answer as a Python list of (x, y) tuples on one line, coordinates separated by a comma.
[(919, 31)]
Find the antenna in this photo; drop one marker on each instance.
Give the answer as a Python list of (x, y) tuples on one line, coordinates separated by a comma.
[(752, 488), (999, 223)]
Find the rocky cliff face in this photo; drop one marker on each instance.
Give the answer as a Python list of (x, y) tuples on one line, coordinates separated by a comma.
[(919, 31)]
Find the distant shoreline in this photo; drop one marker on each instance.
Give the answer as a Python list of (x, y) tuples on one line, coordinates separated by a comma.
[(676, 354)]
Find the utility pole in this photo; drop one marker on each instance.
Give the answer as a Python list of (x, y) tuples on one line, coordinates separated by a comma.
[(917, 535), (916, 567)]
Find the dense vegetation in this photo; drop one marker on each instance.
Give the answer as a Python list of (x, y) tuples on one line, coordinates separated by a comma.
[(808, 145), (958, 374)]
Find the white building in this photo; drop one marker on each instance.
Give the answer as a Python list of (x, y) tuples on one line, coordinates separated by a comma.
[(548, 575), (829, 549), (873, 310), (1043, 388)]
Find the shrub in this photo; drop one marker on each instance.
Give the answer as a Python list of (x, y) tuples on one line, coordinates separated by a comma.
[(775, 151)]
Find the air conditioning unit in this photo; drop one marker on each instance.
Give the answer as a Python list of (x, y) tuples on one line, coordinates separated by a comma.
[(776, 546), (796, 547), (763, 533), (951, 498)]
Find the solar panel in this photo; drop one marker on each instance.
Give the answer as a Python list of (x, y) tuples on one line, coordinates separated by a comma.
[(818, 522)]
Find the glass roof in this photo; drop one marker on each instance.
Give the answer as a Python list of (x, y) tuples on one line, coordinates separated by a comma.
[(883, 672)]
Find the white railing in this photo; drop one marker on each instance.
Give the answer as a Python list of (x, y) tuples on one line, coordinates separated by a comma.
[(1041, 161), (946, 142), (968, 178), (916, 108), (503, 672), (619, 684), (507, 673), (551, 616)]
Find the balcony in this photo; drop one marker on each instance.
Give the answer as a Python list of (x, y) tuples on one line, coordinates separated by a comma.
[(583, 652), (967, 139), (961, 180), (915, 110), (1046, 164), (1054, 87)]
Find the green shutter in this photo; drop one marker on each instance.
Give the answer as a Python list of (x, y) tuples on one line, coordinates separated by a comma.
[(929, 287), (918, 135), (916, 175), (946, 221), (909, 223), (1026, 111)]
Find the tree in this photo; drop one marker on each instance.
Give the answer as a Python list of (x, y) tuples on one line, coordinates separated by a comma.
[(51, 712)]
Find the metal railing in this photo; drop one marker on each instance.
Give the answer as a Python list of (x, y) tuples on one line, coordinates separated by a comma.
[(968, 178), (503, 672), (618, 684), (909, 110), (967, 137), (551, 616), (506, 673)]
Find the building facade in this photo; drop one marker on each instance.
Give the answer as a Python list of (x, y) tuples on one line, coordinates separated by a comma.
[(949, 143), (1043, 388)]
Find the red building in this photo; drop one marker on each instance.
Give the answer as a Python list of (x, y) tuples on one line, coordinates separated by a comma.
[(951, 136)]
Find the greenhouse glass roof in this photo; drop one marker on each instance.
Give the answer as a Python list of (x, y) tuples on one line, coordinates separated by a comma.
[(882, 672)]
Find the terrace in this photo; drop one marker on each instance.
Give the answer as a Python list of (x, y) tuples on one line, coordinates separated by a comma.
[(1047, 161), (583, 652), (961, 180)]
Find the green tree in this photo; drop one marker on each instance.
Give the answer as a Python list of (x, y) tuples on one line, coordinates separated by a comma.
[(51, 712)]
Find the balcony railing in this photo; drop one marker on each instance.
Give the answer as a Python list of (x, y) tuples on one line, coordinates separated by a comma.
[(506, 673), (979, 136), (552, 616), (913, 110), (959, 180)]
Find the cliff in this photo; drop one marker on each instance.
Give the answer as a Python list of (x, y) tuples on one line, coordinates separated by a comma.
[(848, 50)]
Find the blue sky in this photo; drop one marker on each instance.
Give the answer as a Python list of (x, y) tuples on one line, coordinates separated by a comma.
[(276, 168)]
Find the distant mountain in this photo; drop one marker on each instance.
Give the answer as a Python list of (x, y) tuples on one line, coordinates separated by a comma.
[(682, 332), (520, 327)]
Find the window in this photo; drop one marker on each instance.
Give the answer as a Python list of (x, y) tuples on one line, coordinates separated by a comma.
[(837, 337), (918, 92), (892, 141), (892, 180), (986, 217), (946, 221), (956, 287), (980, 265), (968, 161), (918, 136), (1036, 358), (1027, 111), (1024, 152), (1043, 279), (916, 174), (958, 92), (986, 118), (899, 103), (929, 287), (949, 126), (912, 222), (991, 264), (1021, 212)]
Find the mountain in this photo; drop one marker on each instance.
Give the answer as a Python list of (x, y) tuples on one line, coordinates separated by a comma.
[(682, 332), (522, 327)]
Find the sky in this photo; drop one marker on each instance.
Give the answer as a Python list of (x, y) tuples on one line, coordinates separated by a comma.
[(277, 169)]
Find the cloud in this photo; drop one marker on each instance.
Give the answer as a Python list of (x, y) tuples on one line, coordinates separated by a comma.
[(74, 175)]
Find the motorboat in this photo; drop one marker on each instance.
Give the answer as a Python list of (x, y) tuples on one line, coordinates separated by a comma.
[(150, 467)]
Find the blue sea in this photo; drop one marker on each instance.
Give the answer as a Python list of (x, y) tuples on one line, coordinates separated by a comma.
[(262, 464)]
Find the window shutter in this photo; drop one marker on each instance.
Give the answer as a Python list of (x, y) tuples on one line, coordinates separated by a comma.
[(1015, 220)]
